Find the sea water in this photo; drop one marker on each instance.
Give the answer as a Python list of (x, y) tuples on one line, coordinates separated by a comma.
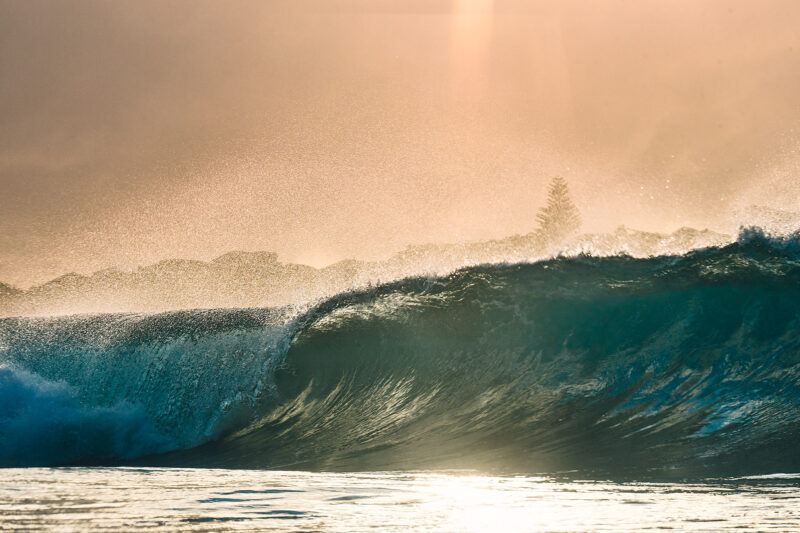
[(666, 388), (167, 499)]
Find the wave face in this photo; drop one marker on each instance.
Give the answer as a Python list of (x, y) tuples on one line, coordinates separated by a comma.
[(676, 365)]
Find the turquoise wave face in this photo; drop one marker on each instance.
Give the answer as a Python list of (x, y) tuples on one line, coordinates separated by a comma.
[(680, 365)]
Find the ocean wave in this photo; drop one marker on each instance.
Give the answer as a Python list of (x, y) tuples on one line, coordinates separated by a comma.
[(685, 364), (43, 422)]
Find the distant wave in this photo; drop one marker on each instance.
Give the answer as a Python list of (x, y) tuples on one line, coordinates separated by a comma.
[(680, 364)]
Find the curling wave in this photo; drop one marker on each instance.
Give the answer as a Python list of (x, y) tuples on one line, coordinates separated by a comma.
[(681, 364)]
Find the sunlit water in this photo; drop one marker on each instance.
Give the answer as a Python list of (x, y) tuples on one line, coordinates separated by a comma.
[(113, 499)]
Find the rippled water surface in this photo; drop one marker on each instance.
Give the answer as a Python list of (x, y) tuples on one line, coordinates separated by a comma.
[(77, 499)]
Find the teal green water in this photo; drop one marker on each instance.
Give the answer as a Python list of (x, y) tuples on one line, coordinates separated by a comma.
[(669, 367), (669, 385)]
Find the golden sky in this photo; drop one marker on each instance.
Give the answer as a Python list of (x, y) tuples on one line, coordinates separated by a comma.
[(132, 131)]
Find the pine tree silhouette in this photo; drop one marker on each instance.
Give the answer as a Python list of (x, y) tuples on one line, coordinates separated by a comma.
[(560, 218)]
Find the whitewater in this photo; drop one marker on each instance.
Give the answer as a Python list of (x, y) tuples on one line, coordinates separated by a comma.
[(638, 373)]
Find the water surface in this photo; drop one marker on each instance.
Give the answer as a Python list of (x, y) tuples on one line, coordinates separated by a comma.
[(159, 499)]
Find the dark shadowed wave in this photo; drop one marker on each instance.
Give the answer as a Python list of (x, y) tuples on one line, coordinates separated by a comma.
[(679, 365)]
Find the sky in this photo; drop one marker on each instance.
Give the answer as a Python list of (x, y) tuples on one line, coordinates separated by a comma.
[(133, 131)]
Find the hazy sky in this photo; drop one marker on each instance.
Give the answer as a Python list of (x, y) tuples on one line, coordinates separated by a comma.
[(132, 131)]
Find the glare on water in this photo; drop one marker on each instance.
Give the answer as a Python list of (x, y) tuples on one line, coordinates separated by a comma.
[(77, 499)]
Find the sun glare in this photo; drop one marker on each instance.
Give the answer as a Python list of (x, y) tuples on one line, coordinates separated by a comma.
[(487, 504), (471, 39)]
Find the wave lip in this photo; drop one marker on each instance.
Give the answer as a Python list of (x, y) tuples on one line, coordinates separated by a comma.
[(679, 364)]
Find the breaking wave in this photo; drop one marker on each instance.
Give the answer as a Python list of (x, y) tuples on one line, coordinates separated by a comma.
[(684, 365)]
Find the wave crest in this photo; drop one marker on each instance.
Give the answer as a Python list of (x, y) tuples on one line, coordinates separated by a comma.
[(680, 364)]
